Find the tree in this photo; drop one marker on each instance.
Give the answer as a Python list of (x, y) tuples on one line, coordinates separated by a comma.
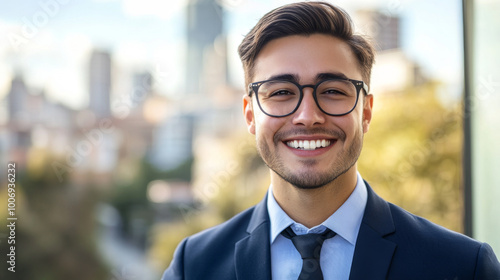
[(412, 154), (55, 231)]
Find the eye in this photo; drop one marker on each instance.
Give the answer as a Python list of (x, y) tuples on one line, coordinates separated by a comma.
[(282, 92), (336, 88), (333, 91)]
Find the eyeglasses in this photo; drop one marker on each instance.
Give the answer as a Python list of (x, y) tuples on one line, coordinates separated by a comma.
[(281, 98)]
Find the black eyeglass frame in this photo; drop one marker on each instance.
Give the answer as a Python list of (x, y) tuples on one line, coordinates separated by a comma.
[(254, 87)]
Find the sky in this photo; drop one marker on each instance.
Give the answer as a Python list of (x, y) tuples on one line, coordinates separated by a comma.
[(50, 41)]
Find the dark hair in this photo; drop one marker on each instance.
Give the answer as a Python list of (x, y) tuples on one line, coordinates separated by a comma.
[(305, 18)]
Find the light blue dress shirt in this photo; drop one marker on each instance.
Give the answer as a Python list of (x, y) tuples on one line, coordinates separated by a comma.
[(336, 253)]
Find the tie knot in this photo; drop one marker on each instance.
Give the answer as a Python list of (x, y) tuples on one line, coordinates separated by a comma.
[(308, 245)]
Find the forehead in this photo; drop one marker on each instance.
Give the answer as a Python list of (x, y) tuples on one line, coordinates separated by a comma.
[(305, 57)]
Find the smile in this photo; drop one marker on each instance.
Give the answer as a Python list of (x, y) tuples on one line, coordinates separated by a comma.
[(308, 144)]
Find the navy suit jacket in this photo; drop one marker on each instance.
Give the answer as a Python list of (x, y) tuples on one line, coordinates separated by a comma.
[(391, 244)]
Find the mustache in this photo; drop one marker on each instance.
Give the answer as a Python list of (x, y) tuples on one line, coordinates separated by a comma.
[(338, 134)]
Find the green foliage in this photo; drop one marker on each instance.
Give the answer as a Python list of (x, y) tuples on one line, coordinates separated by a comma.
[(412, 154), (55, 227)]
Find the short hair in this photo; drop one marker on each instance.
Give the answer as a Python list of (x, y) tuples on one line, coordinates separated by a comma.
[(305, 18)]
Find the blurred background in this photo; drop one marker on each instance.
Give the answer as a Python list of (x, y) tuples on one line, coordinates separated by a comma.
[(124, 120)]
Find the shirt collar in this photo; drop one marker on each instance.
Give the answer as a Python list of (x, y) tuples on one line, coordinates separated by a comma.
[(345, 221)]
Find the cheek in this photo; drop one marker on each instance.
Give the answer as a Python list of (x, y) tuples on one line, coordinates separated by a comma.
[(351, 125), (266, 127)]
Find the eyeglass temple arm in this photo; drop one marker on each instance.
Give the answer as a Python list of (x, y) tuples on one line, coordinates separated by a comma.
[(365, 87), (250, 89)]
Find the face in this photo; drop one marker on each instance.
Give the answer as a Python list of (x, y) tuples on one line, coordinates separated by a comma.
[(340, 138)]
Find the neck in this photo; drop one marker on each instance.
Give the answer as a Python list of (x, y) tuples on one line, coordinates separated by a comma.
[(311, 207)]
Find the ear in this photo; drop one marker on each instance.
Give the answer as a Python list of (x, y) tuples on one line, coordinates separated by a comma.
[(367, 112), (248, 113)]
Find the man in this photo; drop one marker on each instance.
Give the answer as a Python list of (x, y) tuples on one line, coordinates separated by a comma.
[(308, 105)]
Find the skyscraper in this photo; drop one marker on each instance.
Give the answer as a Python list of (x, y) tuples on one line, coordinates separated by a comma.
[(17, 97), (384, 28), (204, 25), (100, 83)]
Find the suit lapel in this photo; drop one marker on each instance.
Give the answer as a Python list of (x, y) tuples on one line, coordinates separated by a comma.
[(373, 253), (253, 253)]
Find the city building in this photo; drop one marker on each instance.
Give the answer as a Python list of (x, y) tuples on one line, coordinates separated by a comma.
[(393, 71), (383, 28), (204, 26), (100, 83), (34, 121)]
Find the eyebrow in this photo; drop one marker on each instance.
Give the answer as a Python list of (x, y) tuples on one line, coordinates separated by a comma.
[(332, 75), (319, 77), (285, 77)]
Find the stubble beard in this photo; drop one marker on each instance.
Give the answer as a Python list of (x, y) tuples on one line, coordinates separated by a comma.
[(346, 159)]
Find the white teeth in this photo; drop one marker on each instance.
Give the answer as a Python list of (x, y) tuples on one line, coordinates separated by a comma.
[(308, 145)]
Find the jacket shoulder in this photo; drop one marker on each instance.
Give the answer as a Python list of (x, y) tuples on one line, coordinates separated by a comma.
[(417, 229), (435, 250), (209, 254), (227, 232)]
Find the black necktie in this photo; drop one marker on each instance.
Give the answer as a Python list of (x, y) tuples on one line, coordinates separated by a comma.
[(309, 247)]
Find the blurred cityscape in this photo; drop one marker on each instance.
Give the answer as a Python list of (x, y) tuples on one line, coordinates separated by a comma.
[(133, 171)]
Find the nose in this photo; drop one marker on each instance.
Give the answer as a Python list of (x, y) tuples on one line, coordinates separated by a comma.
[(308, 113)]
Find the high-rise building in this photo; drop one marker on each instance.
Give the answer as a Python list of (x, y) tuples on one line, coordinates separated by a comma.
[(173, 142), (33, 121), (17, 99), (100, 83), (142, 87), (383, 28), (143, 81), (204, 26), (394, 70)]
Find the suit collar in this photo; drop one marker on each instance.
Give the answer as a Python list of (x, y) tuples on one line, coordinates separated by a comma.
[(378, 214), (373, 253), (259, 216), (253, 253)]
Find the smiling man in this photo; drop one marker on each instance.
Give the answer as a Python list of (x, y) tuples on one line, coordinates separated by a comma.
[(308, 105)]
